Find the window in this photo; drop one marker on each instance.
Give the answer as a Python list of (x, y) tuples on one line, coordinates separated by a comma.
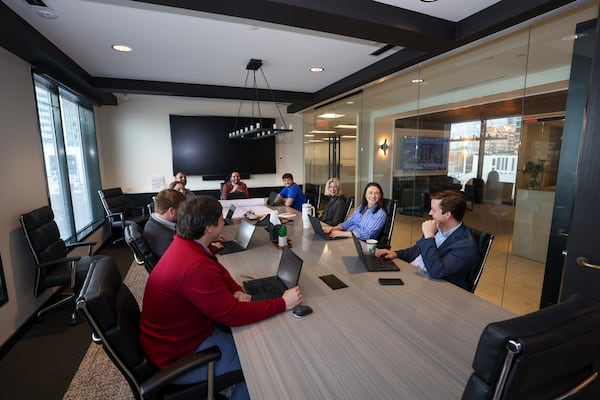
[(71, 159)]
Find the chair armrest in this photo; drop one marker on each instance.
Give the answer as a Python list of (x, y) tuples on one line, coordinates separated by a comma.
[(165, 376), (80, 244), (71, 261)]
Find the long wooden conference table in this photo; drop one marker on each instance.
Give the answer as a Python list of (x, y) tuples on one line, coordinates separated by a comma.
[(364, 341)]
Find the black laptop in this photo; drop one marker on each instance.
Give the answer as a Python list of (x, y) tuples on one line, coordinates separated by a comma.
[(288, 274), (372, 263), (229, 215), (241, 240), (318, 228)]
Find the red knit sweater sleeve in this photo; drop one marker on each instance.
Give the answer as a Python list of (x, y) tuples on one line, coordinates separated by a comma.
[(210, 288)]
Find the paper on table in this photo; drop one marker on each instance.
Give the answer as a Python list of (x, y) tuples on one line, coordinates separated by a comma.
[(257, 205)]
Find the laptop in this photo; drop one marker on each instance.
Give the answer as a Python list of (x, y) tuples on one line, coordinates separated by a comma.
[(288, 274), (241, 240), (316, 224), (372, 263), (229, 215)]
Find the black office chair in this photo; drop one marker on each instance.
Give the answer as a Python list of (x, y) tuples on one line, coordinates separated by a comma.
[(118, 212), (349, 205), (384, 240), (473, 192), (53, 268), (272, 197), (114, 317), (547, 354), (139, 246), (313, 194), (484, 242)]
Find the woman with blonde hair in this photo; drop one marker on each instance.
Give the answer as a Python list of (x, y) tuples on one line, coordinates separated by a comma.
[(335, 212)]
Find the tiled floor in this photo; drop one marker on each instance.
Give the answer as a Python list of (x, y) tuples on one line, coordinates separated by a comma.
[(514, 283)]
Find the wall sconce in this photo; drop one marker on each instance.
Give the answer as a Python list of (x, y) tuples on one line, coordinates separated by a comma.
[(384, 146)]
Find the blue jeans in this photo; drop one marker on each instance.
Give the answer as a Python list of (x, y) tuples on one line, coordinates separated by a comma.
[(229, 362)]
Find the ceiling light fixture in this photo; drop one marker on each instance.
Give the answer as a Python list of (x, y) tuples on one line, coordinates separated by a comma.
[(257, 130), (418, 80), (122, 48), (345, 126), (319, 131), (317, 69), (428, 1), (47, 14)]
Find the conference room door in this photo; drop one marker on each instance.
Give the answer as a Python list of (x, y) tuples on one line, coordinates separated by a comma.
[(582, 270)]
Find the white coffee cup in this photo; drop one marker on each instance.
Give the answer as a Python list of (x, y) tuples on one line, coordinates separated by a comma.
[(371, 246)]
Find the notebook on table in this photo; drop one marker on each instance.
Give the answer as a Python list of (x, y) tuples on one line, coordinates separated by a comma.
[(372, 263), (229, 215), (318, 228), (241, 240), (288, 274)]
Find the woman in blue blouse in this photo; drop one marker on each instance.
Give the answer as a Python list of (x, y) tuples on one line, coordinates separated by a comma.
[(367, 220)]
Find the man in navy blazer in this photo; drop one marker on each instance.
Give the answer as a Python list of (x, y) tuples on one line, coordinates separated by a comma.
[(447, 249)]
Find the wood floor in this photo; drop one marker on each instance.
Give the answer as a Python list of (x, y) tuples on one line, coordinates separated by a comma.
[(514, 283)]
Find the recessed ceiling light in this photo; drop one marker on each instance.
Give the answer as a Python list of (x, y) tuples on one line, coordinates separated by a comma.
[(349, 136), (428, 1), (419, 80), (350, 102), (121, 47), (307, 135), (317, 69), (574, 36), (322, 132)]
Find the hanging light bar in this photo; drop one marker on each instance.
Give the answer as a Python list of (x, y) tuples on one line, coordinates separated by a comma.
[(257, 130)]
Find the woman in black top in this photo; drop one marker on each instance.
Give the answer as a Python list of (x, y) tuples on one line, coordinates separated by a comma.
[(335, 212)]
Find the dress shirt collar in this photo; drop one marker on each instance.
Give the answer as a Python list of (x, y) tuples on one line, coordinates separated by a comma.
[(163, 221)]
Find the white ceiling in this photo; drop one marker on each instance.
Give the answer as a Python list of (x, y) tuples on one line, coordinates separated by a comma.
[(185, 46)]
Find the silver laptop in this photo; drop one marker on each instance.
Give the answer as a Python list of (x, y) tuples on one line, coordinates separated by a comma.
[(372, 263), (318, 228), (241, 240), (288, 274), (229, 215)]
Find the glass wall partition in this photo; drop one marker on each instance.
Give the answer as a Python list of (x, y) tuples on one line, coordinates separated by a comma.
[(485, 120)]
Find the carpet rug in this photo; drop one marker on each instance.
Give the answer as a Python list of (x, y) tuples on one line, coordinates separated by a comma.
[(97, 377)]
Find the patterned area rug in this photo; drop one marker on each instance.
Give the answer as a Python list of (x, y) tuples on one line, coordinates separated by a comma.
[(97, 377)]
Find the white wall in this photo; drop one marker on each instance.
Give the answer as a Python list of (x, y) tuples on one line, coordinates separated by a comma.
[(135, 141), (24, 188)]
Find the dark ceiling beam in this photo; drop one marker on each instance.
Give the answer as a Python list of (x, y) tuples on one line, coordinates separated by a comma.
[(132, 86), (21, 39), (368, 20), (503, 15)]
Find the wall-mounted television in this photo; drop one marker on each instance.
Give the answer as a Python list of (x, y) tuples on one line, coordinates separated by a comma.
[(201, 146), (423, 153)]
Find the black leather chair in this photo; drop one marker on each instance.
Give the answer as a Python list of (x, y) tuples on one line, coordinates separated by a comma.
[(118, 212), (474, 192), (543, 355), (384, 239), (139, 246), (272, 197), (53, 267), (313, 194), (114, 317), (484, 241)]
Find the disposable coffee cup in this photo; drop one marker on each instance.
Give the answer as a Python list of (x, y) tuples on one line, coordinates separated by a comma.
[(371, 246)]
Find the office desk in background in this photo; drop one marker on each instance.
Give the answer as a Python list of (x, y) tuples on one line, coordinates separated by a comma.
[(365, 341)]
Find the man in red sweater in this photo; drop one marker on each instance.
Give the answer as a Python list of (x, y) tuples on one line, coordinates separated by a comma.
[(189, 292)]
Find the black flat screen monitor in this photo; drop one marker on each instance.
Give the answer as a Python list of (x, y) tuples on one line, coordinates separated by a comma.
[(425, 153), (201, 146)]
